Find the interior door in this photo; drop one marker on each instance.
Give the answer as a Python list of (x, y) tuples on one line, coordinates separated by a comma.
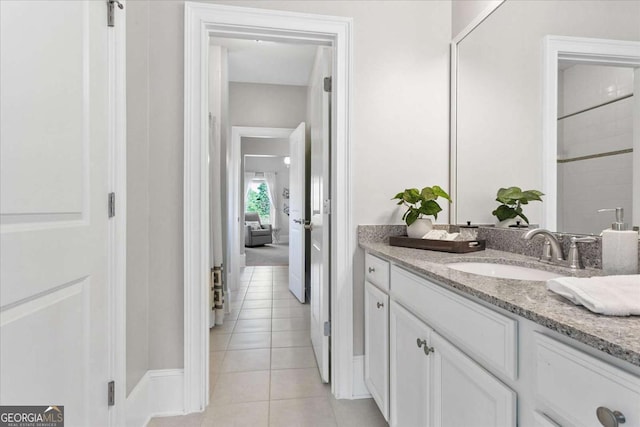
[(320, 127), (296, 211), (53, 209)]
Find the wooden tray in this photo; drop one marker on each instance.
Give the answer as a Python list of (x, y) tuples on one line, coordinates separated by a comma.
[(438, 245)]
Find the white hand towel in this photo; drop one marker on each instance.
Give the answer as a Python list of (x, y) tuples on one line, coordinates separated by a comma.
[(435, 235), (609, 295)]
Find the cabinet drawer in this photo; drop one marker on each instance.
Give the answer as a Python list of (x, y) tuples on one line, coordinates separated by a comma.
[(487, 336), (376, 271), (574, 384)]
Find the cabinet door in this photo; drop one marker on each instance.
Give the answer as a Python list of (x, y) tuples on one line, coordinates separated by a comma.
[(464, 394), (409, 369), (376, 346)]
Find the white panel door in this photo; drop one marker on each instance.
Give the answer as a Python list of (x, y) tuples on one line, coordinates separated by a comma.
[(296, 212), (409, 369), (464, 394), (376, 346), (53, 208), (320, 129)]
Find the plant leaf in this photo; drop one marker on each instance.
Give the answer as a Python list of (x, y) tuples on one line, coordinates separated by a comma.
[(503, 212), (427, 193), (438, 191), (411, 195), (411, 216)]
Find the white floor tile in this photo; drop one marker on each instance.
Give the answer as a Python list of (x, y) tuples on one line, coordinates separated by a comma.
[(290, 339), (297, 383), (247, 360), (250, 340), (255, 313), (290, 324), (292, 358), (250, 414), (237, 387), (313, 412), (252, 325), (219, 342), (258, 303)]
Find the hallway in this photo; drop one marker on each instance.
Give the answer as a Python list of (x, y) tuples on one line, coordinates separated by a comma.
[(262, 366)]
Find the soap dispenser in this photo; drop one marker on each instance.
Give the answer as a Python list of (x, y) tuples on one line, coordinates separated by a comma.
[(619, 247)]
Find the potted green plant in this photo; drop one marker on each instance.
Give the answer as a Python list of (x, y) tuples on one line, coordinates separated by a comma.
[(511, 200), (420, 203)]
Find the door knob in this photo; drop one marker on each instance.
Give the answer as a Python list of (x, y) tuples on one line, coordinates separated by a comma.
[(609, 418), (380, 304), (308, 226), (371, 269)]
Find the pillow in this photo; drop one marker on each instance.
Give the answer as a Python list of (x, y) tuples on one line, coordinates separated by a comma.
[(255, 225)]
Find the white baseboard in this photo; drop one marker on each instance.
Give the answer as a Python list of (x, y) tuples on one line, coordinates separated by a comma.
[(158, 394), (359, 388), (242, 259)]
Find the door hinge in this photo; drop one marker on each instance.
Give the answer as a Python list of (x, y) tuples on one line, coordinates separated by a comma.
[(326, 206), (112, 205), (327, 329), (328, 83), (111, 11), (111, 393)]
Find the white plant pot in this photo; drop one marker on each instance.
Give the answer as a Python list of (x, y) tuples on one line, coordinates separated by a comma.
[(507, 222), (419, 228)]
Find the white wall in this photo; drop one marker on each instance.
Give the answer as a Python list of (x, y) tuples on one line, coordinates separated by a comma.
[(463, 12), (263, 105), (602, 129), (499, 96), (399, 134), (137, 193)]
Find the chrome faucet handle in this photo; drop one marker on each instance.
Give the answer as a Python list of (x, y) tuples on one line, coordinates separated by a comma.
[(546, 251), (574, 254)]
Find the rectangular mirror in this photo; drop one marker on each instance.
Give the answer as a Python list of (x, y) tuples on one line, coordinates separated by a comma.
[(502, 135)]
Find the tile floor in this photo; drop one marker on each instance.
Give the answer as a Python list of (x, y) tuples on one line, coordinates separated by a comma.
[(263, 370)]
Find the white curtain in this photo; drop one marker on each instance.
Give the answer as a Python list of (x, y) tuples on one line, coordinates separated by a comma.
[(248, 177), (270, 178)]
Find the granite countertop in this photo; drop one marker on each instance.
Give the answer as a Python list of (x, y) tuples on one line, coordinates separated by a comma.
[(617, 336)]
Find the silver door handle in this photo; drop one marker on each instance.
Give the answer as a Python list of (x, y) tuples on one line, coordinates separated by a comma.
[(371, 269), (609, 418), (380, 305), (308, 226), (297, 221)]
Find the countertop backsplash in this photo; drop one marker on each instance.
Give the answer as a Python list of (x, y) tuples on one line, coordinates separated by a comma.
[(501, 239)]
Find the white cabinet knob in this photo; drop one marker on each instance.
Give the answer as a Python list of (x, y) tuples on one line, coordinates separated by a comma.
[(609, 418)]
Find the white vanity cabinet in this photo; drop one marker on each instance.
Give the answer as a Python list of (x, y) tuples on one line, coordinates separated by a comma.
[(430, 382), (561, 371), (410, 369), (464, 394), (376, 342)]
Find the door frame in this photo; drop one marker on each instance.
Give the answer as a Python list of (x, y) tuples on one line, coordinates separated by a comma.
[(234, 174), (202, 20)]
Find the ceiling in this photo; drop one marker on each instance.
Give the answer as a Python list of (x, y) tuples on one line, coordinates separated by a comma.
[(267, 62)]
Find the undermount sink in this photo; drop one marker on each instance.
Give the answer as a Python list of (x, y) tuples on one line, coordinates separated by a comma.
[(503, 271)]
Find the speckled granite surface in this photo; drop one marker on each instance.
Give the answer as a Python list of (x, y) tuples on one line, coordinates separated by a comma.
[(617, 336)]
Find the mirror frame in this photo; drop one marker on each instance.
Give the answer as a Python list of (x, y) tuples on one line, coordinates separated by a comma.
[(585, 51), (491, 7)]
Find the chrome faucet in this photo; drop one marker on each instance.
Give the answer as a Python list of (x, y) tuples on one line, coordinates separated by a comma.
[(551, 251)]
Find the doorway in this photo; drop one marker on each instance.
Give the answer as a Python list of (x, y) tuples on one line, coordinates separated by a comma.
[(204, 20)]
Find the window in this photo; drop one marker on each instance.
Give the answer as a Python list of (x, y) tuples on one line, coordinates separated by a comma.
[(257, 200)]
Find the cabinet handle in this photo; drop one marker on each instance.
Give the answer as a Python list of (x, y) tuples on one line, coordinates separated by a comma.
[(380, 304), (371, 269), (426, 348), (609, 418)]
